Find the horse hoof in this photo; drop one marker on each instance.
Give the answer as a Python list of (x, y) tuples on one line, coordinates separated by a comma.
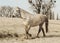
[(30, 35), (44, 35), (37, 36), (46, 31)]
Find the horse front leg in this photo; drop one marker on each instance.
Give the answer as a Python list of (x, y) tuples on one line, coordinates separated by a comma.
[(27, 31)]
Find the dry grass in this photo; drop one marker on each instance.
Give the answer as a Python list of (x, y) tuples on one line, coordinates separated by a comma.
[(12, 31)]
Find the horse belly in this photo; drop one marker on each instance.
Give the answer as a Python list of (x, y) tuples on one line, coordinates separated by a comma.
[(35, 23)]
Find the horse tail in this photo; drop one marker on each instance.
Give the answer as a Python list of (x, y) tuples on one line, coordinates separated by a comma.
[(46, 24)]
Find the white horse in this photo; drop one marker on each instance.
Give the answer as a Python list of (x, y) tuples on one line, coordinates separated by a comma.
[(35, 20)]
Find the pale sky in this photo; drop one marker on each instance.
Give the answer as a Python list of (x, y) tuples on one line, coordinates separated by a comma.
[(24, 5)]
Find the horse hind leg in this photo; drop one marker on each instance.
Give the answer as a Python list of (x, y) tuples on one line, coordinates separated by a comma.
[(43, 32), (46, 24), (41, 28), (39, 31)]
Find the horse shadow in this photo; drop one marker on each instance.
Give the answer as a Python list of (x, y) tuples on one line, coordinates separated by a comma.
[(47, 36), (50, 36)]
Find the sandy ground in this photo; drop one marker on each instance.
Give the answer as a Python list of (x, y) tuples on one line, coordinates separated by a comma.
[(15, 25)]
